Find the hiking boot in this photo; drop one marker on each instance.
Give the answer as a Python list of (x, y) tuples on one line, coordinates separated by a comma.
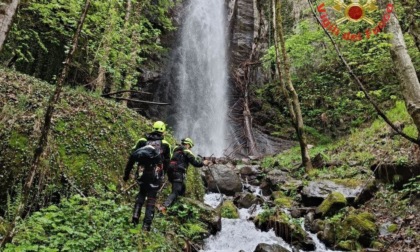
[(145, 228), (135, 221)]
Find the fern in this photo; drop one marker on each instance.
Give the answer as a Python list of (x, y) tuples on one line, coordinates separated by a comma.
[(12, 205)]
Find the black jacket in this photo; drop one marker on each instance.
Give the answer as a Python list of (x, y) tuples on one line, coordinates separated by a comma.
[(181, 159), (166, 147), (147, 157)]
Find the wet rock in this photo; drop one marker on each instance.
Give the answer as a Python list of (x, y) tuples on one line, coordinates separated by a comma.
[(248, 169), (263, 247), (222, 177), (245, 200), (308, 245), (331, 205), (265, 187), (296, 213), (309, 218), (276, 180), (367, 193), (327, 235), (316, 191)]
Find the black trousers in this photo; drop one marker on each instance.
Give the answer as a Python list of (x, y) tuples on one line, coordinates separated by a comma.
[(178, 188), (146, 194)]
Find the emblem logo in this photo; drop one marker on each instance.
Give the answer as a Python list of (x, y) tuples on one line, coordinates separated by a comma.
[(355, 11)]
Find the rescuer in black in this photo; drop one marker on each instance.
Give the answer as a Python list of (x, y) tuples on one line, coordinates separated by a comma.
[(156, 139), (150, 164), (181, 158)]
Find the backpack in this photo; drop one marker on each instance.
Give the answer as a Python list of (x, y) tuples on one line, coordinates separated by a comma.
[(177, 163), (146, 156), (157, 144)]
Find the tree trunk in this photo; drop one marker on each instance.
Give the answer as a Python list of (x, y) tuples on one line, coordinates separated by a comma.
[(287, 86), (126, 85), (7, 12), (43, 140), (405, 70), (250, 139)]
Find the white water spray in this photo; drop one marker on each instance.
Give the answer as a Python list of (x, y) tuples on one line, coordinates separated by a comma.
[(201, 104)]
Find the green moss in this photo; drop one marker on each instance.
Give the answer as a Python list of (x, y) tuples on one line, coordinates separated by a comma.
[(363, 223), (18, 141), (229, 210), (281, 200), (334, 202), (392, 228), (347, 245), (377, 245), (349, 182), (194, 184)]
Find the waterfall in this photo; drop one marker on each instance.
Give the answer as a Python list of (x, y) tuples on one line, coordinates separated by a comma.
[(202, 79)]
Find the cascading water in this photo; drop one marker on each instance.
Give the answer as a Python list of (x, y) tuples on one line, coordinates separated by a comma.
[(241, 234), (201, 95), (238, 234)]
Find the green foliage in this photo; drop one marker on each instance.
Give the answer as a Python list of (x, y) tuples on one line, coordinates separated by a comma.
[(85, 224), (324, 85), (40, 38), (89, 142), (265, 215), (413, 186), (361, 149), (229, 210), (183, 211), (194, 231)]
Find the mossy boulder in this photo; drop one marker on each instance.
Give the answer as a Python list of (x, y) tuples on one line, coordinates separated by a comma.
[(334, 202), (245, 200), (359, 226), (348, 245), (377, 245), (281, 200), (229, 210)]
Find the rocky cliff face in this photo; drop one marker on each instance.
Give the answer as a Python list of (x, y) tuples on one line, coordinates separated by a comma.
[(250, 35), (250, 26)]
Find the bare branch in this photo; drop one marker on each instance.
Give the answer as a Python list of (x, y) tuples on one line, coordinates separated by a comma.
[(140, 101), (125, 91)]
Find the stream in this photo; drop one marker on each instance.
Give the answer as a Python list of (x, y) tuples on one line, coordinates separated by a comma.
[(242, 235)]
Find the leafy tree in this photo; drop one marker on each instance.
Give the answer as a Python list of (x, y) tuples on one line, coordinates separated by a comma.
[(116, 40)]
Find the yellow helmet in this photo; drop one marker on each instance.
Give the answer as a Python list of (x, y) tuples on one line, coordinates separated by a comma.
[(187, 141), (159, 126)]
